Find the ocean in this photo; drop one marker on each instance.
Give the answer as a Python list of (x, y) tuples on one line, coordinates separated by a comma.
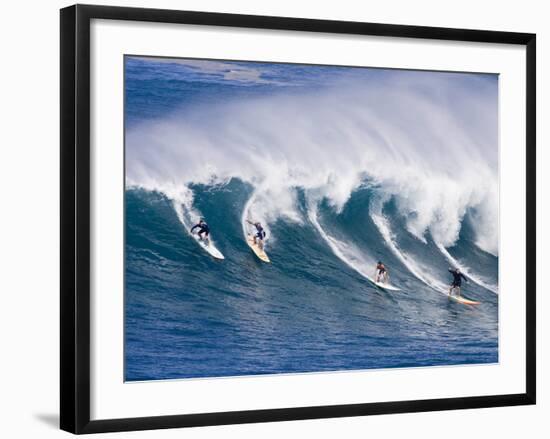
[(344, 167)]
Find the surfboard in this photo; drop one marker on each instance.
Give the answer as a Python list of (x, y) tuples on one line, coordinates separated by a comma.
[(463, 300), (260, 253), (386, 286), (209, 248)]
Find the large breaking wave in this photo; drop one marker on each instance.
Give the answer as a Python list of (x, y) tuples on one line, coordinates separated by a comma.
[(425, 152)]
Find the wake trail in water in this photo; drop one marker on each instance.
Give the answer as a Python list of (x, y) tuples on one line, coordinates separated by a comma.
[(182, 199), (347, 253), (419, 272), (246, 216), (188, 215), (466, 270)]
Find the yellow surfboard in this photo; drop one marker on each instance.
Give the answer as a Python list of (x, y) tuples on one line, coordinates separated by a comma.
[(257, 250), (463, 300)]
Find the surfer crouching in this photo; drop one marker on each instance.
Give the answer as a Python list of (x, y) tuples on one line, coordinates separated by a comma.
[(260, 234), (203, 230), (381, 272), (457, 281)]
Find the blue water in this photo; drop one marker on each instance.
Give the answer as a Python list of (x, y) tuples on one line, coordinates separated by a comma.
[(189, 315)]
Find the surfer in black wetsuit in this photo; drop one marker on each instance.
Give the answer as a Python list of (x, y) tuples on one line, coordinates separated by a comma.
[(457, 280), (260, 233), (381, 272), (203, 230)]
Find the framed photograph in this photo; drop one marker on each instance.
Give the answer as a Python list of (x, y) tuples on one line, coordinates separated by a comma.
[(267, 219)]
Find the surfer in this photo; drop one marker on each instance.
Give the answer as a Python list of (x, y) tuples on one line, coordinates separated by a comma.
[(203, 229), (381, 272), (260, 234), (457, 280)]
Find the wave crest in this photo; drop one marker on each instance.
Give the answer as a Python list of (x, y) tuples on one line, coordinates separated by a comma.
[(407, 139)]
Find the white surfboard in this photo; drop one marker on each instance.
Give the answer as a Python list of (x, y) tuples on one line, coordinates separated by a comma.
[(262, 255), (386, 286), (209, 247)]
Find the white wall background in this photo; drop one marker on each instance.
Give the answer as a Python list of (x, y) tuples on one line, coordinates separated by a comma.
[(29, 248)]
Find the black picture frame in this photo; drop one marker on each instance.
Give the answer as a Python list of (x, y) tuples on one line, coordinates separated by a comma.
[(75, 217)]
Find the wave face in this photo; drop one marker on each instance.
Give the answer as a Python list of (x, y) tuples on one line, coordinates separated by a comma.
[(343, 167)]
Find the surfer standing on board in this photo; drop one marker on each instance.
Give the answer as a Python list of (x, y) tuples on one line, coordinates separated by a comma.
[(203, 229), (260, 233), (457, 280), (381, 272)]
